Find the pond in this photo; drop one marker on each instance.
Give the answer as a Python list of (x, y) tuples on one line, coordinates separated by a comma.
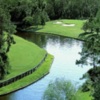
[(65, 52)]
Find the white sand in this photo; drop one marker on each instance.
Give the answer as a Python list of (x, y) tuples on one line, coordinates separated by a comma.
[(57, 22), (68, 25)]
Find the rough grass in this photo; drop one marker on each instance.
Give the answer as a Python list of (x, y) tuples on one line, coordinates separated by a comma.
[(23, 56), (58, 29), (30, 78)]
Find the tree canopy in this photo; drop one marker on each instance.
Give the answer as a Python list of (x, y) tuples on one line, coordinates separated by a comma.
[(5, 39)]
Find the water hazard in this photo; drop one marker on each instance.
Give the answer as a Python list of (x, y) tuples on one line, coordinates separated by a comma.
[(65, 52)]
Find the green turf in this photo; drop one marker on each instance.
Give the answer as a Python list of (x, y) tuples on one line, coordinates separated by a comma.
[(23, 56), (83, 95), (58, 29), (30, 78)]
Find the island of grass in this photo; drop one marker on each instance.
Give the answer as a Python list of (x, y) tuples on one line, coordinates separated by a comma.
[(25, 56)]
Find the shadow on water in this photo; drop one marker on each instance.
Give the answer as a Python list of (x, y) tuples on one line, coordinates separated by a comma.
[(42, 39), (6, 97)]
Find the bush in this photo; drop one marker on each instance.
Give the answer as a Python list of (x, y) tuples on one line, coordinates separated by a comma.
[(96, 93), (60, 89), (28, 21)]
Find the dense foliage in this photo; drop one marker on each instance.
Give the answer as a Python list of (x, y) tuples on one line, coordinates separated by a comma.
[(72, 9), (5, 39), (90, 53), (24, 13), (96, 86), (42, 10), (60, 89)]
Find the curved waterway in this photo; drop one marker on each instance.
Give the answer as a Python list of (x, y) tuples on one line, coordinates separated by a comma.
[(65, 52)]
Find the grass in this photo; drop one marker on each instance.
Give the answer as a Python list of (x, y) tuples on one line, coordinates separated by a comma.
[(23, 56), (58, 29), (83, 95), (30, 78)]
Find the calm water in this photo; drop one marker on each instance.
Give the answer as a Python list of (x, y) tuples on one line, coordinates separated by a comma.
[(65, 51)]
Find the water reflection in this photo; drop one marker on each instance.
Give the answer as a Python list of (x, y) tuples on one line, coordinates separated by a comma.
[(65, 51), (42, 40), (4, 97)]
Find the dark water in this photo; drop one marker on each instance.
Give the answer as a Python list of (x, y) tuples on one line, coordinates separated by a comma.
[(65, 51)]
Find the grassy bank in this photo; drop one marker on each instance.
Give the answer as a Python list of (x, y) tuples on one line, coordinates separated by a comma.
[(59, 28), (23, 56), (38, 74)]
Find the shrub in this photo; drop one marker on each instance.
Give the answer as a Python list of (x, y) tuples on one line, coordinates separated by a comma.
[(28, 21), (60, 89)]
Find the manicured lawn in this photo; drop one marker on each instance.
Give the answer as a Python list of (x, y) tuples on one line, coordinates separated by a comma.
[(23, 56), (83, 95), (59, 29), (30, 78)]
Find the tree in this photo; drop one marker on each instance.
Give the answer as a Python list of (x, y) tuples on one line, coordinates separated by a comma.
[(89, 25), (60, 89), (96, 93), (90, 53), (92, 25), (40, 16), (5, 39)]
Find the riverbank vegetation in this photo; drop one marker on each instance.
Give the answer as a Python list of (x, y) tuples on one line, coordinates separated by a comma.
[(21, 14), (62, 89), (90, 53), (37, 75)]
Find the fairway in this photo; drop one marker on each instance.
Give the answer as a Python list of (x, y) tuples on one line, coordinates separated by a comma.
[(62, 28)]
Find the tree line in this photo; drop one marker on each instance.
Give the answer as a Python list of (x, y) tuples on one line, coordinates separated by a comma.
[(90, 54), (73, 9), (36, 12)]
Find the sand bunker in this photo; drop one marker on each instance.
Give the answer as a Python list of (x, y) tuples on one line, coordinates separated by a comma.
[(58, 22), (68, 24)]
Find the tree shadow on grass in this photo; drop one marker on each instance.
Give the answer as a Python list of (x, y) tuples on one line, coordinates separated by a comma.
[(30, 29)]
